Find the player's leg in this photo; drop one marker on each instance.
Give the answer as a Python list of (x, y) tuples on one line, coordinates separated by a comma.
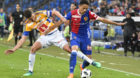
[(88, 53), (16, 34), (19, 35), (2, 32), (79, 54), (40, 43), (36, 46), (125, 45), (87, 50), (30, 38), (16, 38), (20, 32), (73, 60)]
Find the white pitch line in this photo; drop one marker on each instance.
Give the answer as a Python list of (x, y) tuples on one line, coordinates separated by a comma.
[(78, 61)]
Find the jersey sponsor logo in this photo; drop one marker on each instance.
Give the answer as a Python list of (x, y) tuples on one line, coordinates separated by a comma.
[(76, 16), (75, 37), (75, 19), (42, 27)]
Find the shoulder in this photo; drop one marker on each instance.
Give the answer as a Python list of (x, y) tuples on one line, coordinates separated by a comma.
[(74, 11), (90, 12), (41, 12)]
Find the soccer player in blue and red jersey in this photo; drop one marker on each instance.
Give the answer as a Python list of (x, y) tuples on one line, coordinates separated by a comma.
[(79, 38)]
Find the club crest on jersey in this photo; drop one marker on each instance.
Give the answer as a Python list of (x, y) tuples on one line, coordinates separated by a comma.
[(85, 18)]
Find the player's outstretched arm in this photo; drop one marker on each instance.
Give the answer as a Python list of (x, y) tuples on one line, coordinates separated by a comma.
[(19, 44), (58, 14), (57, 24), (109, 21)]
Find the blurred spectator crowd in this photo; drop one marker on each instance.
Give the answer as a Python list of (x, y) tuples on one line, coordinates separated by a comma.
[(116, 7)]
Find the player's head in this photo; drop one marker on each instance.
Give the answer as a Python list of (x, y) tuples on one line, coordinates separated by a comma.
[(28, 13), (128, 15), (17, 7), (83, 6), (1, 10), (31, 9), (73, 6)]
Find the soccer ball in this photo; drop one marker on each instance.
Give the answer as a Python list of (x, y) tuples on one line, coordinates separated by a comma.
[(86, 73)]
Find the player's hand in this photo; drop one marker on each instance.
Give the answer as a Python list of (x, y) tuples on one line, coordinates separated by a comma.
[(121, 24), (9, 52)]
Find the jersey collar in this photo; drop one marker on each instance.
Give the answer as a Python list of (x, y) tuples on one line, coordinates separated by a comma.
[(78, 12)]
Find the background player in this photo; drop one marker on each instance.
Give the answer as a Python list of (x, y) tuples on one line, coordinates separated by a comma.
[(17, 18), (79, 20)]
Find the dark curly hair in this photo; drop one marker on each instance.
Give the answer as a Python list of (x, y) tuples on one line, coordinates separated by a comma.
[(27, 13)]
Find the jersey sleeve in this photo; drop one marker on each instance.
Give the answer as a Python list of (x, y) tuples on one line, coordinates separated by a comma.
[(29, 26), (92, 15), (68, 17)]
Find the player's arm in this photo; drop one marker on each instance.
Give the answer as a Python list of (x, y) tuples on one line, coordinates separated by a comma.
[(19, 44), (58, 14), (57, 24), (68, 18), (104, 20)]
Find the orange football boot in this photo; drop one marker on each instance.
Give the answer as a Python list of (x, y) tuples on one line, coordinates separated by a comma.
[(81, 67)]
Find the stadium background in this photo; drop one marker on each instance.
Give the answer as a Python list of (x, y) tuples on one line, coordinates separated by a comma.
[(114, 63)]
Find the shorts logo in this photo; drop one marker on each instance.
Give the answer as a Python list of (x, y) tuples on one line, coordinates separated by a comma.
[(85, 18), (75, 37)]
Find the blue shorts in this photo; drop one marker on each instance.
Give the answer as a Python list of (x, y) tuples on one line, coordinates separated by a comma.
[(81, 42)]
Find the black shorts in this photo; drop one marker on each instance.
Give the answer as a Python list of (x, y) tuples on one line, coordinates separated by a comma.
[(18, 29)]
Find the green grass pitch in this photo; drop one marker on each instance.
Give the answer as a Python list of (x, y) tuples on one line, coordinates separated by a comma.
[(54, 63)]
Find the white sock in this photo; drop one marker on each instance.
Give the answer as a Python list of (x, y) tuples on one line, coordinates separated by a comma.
[(84, 57), (31, 61)]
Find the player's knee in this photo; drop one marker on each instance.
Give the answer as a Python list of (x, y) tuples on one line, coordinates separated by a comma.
[(33, 50), (75, 48), (67, 48)]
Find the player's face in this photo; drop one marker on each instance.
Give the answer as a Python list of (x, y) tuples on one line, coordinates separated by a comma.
[(72, 7), (17, 7), (1, 10), (128, 16), (83, 8)]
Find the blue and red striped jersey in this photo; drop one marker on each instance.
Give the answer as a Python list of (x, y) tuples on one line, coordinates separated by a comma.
[(80, 23)]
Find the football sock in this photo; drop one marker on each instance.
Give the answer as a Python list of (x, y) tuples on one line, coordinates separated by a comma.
[(73, 59), (85, 64), (84, 57), (31, 61)]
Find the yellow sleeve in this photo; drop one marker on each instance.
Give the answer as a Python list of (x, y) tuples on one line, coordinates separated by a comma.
[(29, 26)]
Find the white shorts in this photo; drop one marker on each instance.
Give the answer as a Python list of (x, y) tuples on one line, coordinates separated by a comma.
[(55, 38)]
